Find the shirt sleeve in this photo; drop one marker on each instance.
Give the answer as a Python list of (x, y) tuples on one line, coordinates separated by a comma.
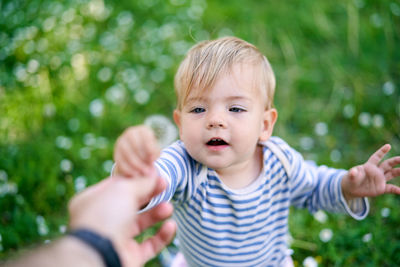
[(319, 187), (178, 169)]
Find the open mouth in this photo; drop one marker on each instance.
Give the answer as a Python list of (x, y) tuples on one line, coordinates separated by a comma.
[(217, 142)]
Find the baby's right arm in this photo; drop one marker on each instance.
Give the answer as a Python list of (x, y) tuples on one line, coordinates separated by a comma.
[(135, 152)]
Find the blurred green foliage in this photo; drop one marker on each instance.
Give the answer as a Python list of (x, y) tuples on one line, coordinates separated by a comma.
[(74, 74)]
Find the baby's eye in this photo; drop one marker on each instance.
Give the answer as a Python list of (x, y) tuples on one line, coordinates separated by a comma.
[(237, 109), (197, 110)]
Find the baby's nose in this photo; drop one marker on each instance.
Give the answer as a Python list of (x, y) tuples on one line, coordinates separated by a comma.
[(216, 122)]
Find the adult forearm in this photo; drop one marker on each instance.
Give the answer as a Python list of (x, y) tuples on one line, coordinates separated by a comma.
[(67, 251)]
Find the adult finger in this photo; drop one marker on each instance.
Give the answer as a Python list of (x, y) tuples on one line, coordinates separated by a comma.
[(78, 200), (150, 217), (379, 154), (153, 245), (144, 192)]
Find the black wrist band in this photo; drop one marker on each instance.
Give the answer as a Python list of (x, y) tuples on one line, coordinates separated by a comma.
[(101, 244)]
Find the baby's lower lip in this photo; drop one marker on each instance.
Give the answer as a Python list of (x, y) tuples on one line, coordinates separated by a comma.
[(217, 148)]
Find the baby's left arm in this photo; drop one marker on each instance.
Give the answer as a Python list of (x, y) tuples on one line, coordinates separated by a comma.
[(370, 179)]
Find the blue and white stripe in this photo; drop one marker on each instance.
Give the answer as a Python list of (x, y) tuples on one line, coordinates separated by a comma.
[(219, 226)]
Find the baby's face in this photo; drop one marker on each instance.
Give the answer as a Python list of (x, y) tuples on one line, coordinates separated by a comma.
[(221, 128)]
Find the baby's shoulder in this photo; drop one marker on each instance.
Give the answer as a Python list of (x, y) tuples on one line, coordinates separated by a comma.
[(280, 149), (276, 143)]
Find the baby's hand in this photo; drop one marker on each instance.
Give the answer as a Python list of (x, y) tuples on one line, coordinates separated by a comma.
[(135, 151), (369, 179)]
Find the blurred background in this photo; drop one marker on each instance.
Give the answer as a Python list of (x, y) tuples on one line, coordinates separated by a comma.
[(74, 74)]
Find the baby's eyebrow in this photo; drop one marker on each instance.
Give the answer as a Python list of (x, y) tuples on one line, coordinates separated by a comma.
[(195, 99), (239, 97)]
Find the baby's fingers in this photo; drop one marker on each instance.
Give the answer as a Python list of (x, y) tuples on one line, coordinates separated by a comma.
[(152, 149), (392, 189), (128, 155), (129, 164), (389, 164), (393, 173), (379, 154), (355, 173), (144, 143)]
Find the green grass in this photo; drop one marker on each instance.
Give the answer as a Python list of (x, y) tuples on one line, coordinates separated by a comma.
[(74, 74)]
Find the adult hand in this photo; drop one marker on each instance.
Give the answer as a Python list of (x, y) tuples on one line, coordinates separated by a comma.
[(110, 209)]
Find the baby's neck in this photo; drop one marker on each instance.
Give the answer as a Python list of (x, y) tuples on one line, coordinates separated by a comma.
[(243, 174)]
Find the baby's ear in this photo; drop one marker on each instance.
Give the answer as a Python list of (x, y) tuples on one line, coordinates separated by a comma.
[(177, 118), (269, 119)]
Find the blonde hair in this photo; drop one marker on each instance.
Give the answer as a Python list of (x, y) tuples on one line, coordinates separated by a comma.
[(208, 59)]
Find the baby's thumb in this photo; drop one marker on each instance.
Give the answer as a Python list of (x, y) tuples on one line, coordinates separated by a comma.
[(353, 173)]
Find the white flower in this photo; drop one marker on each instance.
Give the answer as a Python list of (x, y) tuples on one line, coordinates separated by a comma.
[(89, 139), (164, 130), (306, 143), (157, 75), (107, 166), (376, 20), (348, 111), (104, 74), (78, 63), (20, 73), (385, 212), (8, 188), (63, 142), (3, 176), (336, 155), (364, 119), (367, 237), (321, 128), (320, 216), (98, 10), (42, 227), (66, 165), (84, 153), (96, 107), (49, 23), (80, 183), (49, 110), (325, 235), (62, 229), (125, 18), (388, 88), (116, 94), (33, 66), (310, 262), (101, 142), (378, 121), (395, 9), (142, 96)]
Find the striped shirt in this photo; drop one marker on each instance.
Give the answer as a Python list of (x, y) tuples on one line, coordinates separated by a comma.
[(219, 226)]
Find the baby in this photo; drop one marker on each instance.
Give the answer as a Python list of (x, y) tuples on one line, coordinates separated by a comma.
[(231, 182)]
